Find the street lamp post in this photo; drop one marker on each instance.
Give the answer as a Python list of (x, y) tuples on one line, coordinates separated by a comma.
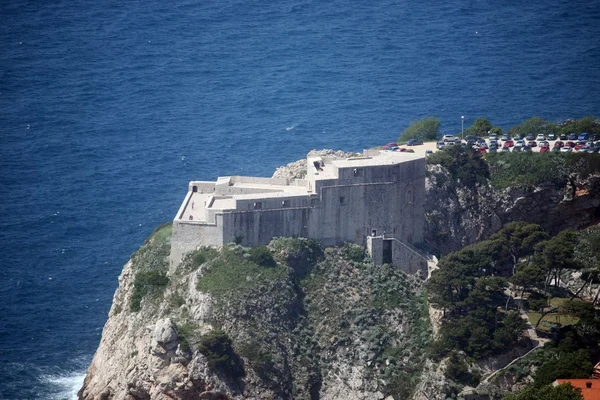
[(462, 129)]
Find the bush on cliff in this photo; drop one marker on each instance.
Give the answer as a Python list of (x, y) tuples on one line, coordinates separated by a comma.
[(216, 347), (481, 126), (150, 264), (233, 272), (146, 282), (464, 164), (262, 256), (425, 129)]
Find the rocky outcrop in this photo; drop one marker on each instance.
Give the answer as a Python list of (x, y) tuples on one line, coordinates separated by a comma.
[(297, 169), (457, 215), (315, 325)]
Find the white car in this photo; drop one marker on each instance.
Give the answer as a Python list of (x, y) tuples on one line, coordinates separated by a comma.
[(449, 138), (520, 143), (540, 136), (566, 149)]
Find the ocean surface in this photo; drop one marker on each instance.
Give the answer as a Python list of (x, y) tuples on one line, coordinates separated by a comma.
[(109, 108)]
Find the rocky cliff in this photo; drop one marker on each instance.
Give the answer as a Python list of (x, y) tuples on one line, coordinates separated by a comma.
[(458, 215), (233, 324), (299, 321)]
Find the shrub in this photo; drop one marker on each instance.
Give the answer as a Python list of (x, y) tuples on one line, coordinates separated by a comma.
[(353, 252), (425, 129), (145, 282), (262, 256), (259, 359), (458, 371), (464, 164), (216, 347)]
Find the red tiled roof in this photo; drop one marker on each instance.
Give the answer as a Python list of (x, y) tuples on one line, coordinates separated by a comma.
[(591, 393)]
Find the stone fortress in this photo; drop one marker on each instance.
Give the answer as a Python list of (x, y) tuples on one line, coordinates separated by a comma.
[(374, 200)]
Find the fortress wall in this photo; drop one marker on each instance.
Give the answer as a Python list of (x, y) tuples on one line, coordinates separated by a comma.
[(270, 203), (260, 181), (259, 227), (202, 187), (233, 190), (188, 235), (349, 213)]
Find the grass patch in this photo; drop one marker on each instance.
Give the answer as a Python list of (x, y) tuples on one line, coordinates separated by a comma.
[(553, 319), (233, 272)]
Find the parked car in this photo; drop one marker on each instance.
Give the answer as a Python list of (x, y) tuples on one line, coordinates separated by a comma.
[(566, 149), (572, 136), (390, 146), (518, 136), (595, 137), (509, 143), (563, 136), (544, 149), (516, 149), (540, 136), (569, 144), (555, 149), (428, 153), (551, 136), (505, 149), (449, 138), (519, 143), (413, 142), (505, 137), (531, 143), (527, 148), (544, 143), (530, 136), (440, 145), (492, 149), (559, 144), (584, 136), (494, 136)]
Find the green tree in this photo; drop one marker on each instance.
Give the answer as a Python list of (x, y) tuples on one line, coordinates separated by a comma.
[(561, 392), (537, 125), (480, 127), (567, 365), (425, 129), (519, 240)]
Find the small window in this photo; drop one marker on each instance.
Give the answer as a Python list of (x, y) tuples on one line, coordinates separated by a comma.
[(342, 200), (357, 172), (285, 203), (257, 205), (195, 189)]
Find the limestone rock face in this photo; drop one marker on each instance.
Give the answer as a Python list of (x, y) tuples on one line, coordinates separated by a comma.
[(456, 216), (297, 169)]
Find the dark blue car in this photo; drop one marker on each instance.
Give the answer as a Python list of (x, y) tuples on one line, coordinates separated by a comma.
[(584, 136), (573, 136)]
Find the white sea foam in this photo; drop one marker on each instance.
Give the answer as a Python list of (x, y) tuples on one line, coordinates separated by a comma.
[(64, 386)]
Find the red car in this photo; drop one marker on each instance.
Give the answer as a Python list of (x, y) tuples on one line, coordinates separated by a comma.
[(390, 146), (544, 149), (509, 143), (559, 144), (570, 144)]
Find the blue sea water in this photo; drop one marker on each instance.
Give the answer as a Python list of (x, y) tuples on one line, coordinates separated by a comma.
[(109, 108)]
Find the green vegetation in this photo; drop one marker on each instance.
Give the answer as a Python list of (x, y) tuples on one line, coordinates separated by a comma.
[(470, 287), (458, 371), (560, 392), (425, 129), (353, 252), (466, 165), (233, 272), (527, 169), (150, 264), (261, 255), (216, 347), (202, 255), (481, 126), (300, 254)]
